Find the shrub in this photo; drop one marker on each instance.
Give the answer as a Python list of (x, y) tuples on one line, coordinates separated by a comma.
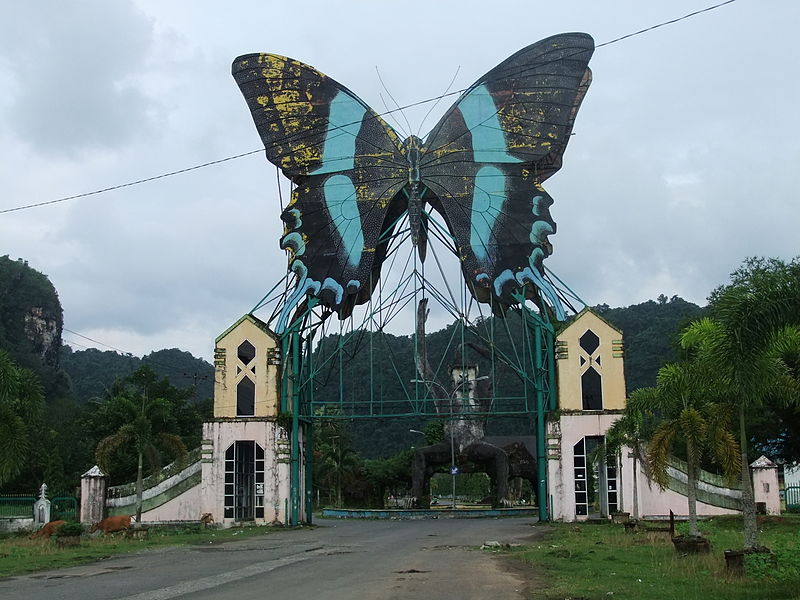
[(70, 529)]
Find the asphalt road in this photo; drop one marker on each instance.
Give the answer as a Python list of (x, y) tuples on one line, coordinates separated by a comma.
[(337, 560)]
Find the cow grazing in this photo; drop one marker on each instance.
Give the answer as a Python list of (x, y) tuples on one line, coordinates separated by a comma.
[(206, 519), (112, 524), (48, 530)]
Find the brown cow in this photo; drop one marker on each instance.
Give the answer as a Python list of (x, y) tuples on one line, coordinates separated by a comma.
[(206, 519), (112, 524), (48, 530)]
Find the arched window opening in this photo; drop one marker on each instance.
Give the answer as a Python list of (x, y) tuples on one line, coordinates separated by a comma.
[(244, 481), (245, 398), (592, 390)]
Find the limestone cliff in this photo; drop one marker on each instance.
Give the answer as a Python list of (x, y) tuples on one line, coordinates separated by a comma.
[(31, 318)]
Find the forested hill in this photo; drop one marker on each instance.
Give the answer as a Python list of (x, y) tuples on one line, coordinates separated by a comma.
[(31, 324), (93, 371), (31, 321), (650, 331)]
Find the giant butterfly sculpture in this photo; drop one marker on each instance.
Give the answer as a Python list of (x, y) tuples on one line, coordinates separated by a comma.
[(481, 168)]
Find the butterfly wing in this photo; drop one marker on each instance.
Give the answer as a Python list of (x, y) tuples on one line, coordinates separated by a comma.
[(347, 166), (485, 161)]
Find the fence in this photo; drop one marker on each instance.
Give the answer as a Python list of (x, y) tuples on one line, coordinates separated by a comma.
[(16, 505), (792, 496), (21, 505), (64, 507)]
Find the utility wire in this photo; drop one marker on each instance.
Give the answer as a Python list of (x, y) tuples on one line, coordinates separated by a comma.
[(143, 359), (131, 183), (86, 337), (399, 108), (670, 22)]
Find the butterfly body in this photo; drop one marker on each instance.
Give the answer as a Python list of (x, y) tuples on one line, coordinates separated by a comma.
[(480, 169)]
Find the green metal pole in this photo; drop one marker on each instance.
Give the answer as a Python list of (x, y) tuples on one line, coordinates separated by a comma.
[(308, 402), (294, 480), (551, 370), (541, 442), (285, 374), (309, 467)]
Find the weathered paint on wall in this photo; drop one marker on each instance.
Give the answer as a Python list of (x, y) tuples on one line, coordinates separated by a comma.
[(574, 423), (183, 507), (229, 370), (607, 360), (157, 496), (218, 436), (93, 495)]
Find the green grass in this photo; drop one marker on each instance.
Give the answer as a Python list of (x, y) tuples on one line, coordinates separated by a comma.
[(19, 555), (590, 562)]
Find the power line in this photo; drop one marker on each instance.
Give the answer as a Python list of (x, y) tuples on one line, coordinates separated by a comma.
[(132, 183), (399, 108), (143, 359), (670, 22), (86, 337)]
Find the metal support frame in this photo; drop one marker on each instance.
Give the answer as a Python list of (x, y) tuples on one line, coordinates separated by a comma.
[(306, 365), (297, 398)]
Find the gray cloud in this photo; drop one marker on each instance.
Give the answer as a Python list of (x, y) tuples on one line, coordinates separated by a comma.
[(682, 163), (76, 75)]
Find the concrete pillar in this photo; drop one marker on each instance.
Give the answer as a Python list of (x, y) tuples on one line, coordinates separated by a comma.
[(765, 485), (41, 508), (93, 496)]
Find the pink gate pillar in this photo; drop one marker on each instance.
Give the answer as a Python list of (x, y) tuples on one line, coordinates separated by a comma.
[(93, 495), (765, 484)]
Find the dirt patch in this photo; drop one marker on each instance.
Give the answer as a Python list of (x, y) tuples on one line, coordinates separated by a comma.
[(529, 579)]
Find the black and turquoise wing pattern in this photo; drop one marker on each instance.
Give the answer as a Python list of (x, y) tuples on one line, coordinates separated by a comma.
[(486, 159), (347, 167)]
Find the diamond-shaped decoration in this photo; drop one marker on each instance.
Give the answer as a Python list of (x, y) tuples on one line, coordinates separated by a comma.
[(589, 342), (246, 352)]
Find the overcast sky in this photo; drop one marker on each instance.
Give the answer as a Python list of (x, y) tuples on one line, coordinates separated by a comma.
[(684, 161)]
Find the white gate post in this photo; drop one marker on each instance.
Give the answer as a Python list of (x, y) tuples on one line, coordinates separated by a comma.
[(41, 508)]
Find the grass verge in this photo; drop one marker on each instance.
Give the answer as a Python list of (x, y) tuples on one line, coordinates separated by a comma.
[(19, 555), (590, 562)]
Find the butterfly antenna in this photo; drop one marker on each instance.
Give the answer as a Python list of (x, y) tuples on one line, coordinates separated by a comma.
[(435, 104), (394, 120), (399, 108)]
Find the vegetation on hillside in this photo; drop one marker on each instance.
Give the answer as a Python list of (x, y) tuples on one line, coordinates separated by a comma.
[(78, 385)]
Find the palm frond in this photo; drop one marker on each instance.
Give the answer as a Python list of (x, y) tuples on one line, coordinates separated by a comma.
[(109, 445), (694, 428), (658, 451), (14, 444), (174, 445)]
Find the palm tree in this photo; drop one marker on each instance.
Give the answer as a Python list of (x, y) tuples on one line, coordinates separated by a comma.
[(629, 431), (748, 379), (21, 399), (138, 431), (682, 403), (741, 344)]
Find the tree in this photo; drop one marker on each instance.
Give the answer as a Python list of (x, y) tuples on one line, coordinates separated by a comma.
[(21, 400), (143, 417), (392, 474), (740, 344), (686, 414), (631, 431), (336, 464)]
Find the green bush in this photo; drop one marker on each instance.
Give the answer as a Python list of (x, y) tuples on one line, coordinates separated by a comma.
[(782, 565), (70, 529)]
